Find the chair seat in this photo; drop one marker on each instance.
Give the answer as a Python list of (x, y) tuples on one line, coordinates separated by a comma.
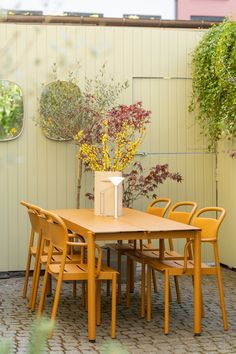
[(140, 256), (79, 271), (150, 251), (176, 267), (33, 250), (119, 246), (72, 258)]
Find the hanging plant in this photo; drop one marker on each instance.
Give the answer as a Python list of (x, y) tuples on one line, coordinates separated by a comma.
[(214, 82)]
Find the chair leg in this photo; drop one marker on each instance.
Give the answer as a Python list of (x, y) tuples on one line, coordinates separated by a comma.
[(108, 264), (177, 289), (49, 286), (34, 294), (36, 273), (154, 279), (28, 264), (86, 296), (170, 293), (148, 294), (83, 293), (143, 269), (221, 292), (56, 298), (132, 268), (113, 307), (45, 279), (119, 276), (128, 283), (74, 289), (98, 302), (27, 274), (43, 293), (167, 296)]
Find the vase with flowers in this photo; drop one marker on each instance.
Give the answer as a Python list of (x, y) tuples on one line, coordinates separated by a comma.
[(108, 147)]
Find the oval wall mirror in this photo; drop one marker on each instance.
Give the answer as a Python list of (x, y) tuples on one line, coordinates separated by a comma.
[(11, 110)]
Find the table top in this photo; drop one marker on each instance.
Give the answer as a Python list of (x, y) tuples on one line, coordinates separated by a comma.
[(132, 220)]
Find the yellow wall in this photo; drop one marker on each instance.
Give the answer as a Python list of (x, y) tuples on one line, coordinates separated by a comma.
[(156, 63)]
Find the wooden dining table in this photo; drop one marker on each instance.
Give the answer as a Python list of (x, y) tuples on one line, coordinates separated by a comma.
[(132, 225)]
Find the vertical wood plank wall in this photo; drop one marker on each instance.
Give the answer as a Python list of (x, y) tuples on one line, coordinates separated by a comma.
[(156, 63), (227, 198)]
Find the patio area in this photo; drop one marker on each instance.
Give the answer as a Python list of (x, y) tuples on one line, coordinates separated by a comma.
[(134, 335), (107, 155)]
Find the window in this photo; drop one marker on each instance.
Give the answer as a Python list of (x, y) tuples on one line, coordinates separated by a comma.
[(24, 13), (142, 17), (84, 14), (208, 18)]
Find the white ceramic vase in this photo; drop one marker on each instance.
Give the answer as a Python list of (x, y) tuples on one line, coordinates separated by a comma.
[(104, 193)]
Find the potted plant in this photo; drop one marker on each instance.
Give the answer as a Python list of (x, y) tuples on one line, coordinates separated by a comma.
[(109, 146)]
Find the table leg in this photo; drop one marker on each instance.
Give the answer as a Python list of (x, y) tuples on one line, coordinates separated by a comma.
[(197, 284), (91, 288)]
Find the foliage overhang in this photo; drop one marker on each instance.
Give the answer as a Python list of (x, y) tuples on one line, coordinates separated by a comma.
[(214, 82)]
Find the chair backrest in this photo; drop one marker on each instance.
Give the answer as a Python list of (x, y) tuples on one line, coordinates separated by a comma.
[(182, 216), (159, 206), (209, 225), (33, 212), (54, 229)]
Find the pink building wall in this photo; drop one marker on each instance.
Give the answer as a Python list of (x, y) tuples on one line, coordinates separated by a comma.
[(187, 8)]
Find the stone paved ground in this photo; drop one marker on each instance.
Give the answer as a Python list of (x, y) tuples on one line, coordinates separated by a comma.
[(134, 335)]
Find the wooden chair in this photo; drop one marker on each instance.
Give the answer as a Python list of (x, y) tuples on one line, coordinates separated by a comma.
[(34, 250), (42, 255), (148, 251), (33, 212), (209, 233), (157, 207), (59, 239)]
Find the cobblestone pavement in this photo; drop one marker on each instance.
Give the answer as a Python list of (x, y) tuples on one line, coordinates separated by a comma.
[(134, 335)]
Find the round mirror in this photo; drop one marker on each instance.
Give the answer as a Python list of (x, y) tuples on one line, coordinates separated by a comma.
[(11, 110)]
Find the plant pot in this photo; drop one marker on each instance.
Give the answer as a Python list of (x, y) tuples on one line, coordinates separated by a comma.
[(104, 193)]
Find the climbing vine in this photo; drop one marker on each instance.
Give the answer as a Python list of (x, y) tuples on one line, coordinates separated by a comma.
[(214, 82)]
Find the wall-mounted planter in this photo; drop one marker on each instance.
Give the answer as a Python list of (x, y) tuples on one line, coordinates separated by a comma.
[(59, 109)]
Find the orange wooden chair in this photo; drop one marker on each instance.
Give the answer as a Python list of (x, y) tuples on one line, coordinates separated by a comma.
[(157, 207), (148, 251), (57, 232), (209, 233), (33, 212), (34, 250), (56, 257)]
